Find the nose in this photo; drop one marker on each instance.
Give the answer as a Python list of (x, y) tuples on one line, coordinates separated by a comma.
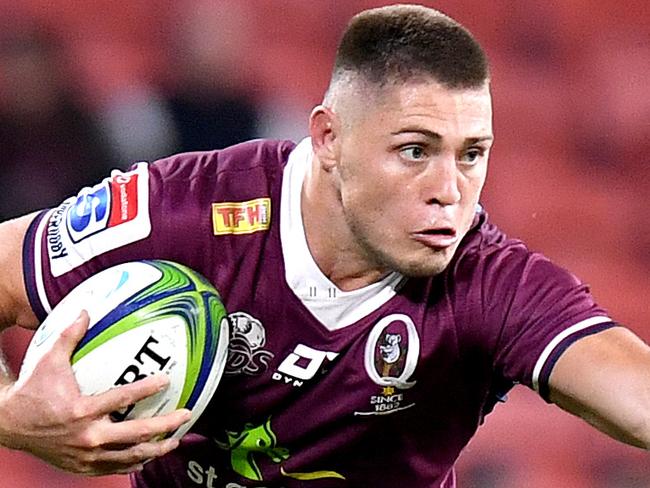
[(440, 181)]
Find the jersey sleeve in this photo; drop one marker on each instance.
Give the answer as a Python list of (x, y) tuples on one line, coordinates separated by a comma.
[(540, 309), (186, 208), (126, 217)]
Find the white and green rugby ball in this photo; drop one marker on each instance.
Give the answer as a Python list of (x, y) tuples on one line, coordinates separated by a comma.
[(146, 317)]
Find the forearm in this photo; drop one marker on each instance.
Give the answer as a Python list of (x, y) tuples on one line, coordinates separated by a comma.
[(14, 304), (627, 428), (6, 377), (6, 380), (14, 307), (605, 380)]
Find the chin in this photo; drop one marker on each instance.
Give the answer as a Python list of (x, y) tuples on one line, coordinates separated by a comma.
[(422, 268), (413, 262), (417, 270)]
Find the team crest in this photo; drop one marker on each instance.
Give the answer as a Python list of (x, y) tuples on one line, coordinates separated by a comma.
[(391, 356), (392, 351), (245, 351)]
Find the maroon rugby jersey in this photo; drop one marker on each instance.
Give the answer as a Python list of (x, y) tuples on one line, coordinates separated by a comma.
[(377, 387)]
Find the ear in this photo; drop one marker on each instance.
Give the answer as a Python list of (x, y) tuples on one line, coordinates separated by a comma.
[(324, 129)]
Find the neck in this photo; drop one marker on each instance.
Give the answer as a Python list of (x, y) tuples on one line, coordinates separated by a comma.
[(330, 240)]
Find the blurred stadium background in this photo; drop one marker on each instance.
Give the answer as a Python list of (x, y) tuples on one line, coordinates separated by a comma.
[(89, 86)]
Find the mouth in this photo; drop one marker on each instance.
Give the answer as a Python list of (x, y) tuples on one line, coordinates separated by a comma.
[(436, 238)]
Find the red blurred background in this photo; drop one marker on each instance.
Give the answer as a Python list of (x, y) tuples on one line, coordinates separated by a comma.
[(88, 86)]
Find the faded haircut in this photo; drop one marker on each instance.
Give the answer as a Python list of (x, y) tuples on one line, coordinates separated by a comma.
[(394, 44)]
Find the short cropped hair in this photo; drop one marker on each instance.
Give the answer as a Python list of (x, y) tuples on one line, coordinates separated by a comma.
[(393, 44)]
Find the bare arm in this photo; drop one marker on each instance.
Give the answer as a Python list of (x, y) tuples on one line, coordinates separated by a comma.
[(605, 379), (46, 415), (14, 306)]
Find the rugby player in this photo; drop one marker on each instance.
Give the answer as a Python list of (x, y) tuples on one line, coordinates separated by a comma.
[(377, 314)]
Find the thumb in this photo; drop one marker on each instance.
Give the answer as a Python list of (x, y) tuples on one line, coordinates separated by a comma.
[(72, 334)]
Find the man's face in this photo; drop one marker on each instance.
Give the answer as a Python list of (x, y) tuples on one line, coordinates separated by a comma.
[(410, 171)]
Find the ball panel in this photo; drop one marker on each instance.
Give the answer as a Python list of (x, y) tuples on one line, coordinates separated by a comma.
[(175, 279), (101, 293), (169, 281), (144, 351)]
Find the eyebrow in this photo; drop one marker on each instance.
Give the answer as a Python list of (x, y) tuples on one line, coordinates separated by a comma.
[(474, 140), (435, 136)]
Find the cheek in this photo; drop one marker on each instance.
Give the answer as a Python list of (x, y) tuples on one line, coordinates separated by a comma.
[(374, 209), (364, 189), (472, 187), (471, 194)]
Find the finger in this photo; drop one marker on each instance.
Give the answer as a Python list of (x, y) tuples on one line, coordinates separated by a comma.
[(132, 432), (72, 334), (125, 395), (119, 470), (127, 460), (134, 457)]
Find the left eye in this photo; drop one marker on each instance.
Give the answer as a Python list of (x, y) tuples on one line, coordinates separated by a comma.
[(414, 153), (472, 156)]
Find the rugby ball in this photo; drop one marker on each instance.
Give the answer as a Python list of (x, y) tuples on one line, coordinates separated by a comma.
[(146, 317)]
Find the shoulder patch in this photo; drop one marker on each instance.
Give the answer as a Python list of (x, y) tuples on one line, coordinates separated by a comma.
[(241, 217), (99, 219)]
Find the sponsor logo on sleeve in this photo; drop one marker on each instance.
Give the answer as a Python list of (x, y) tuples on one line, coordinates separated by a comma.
[(241, 217), (109, 204), (99, 219), (55, 243)]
